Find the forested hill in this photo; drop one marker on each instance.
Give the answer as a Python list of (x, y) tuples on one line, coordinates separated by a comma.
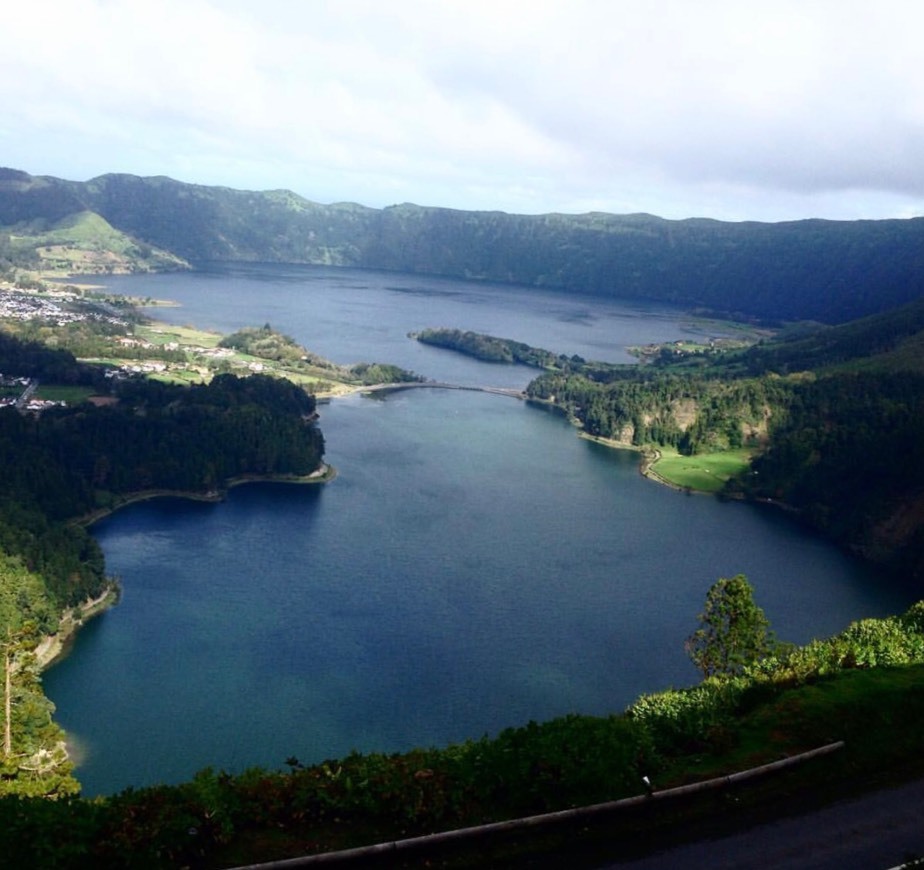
[(147, 436), (831, 419), (829, 271)]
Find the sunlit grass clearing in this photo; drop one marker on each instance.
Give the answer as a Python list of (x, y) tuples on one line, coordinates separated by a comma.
[(706, 472)]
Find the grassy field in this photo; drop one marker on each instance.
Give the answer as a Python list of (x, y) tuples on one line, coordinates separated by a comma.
[(164, 333), (706, 472), (61, 393)]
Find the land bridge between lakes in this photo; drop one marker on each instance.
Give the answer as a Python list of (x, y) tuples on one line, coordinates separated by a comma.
[(437, 385)]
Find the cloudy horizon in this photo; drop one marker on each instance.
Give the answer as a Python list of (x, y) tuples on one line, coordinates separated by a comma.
[(729, 110)]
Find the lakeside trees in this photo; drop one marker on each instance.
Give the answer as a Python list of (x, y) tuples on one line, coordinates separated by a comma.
[(66, 463), (846, 451), (489, 348), (734, 632), (838, 442), (69, 462), (33, 760)]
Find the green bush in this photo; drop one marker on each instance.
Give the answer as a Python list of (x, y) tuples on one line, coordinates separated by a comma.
[(880, 642), (51, 834), (690, 720), (913, 618), (566, 762)]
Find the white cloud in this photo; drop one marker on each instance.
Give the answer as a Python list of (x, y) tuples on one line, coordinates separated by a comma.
[(729, 109)]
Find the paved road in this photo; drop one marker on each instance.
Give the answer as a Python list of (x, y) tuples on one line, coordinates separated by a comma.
[(876, 832), (27, 393)]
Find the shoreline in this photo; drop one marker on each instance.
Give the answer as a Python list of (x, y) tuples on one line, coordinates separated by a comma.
[(54, 647), (323, 474), (649, 457)]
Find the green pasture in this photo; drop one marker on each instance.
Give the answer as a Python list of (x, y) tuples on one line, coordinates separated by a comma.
[(705, 472), (164, 333), (63, 393)]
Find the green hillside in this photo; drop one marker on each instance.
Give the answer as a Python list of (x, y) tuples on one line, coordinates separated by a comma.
[(84, 242), (890, 341), (829, 271), (49, 230)]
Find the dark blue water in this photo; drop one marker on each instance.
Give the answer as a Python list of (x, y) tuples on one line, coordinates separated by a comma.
[(474, 565)]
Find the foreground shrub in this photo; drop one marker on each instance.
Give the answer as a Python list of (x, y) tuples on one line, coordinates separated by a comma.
[(566, 762), (681, 721)]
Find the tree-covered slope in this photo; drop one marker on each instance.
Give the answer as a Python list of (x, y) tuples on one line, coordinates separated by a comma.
[(216, 223), (27, 199), (889, 340), (822, 270), (830, 271), (833, 420)]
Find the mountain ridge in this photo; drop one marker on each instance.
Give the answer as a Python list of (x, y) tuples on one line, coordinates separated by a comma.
[(830, 271)]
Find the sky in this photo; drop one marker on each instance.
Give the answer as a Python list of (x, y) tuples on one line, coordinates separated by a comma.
[(763, 110)]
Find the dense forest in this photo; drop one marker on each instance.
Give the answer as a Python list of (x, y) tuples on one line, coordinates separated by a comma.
[(67, 463), (846, 451), (829, 271)]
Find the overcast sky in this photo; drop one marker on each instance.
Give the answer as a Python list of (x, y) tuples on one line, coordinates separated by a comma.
[(740, 110)]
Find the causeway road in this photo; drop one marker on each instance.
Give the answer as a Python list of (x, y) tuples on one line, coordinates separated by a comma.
[(436, 385)]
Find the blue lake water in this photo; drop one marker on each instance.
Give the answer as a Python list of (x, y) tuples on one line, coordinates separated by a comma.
[(474, 565)]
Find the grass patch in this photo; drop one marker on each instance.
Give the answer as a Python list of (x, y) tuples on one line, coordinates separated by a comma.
[(164, 333), (183, 376), (62, 393), (705, 472)]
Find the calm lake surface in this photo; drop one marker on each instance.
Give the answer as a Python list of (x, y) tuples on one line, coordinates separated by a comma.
[(474, 565)]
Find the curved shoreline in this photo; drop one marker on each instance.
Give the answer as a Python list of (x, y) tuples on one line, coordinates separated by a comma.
[(323, 474), (650, 456), (54, 647)]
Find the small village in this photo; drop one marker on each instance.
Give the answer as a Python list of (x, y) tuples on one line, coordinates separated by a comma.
[(63, 307), (55, 306)]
